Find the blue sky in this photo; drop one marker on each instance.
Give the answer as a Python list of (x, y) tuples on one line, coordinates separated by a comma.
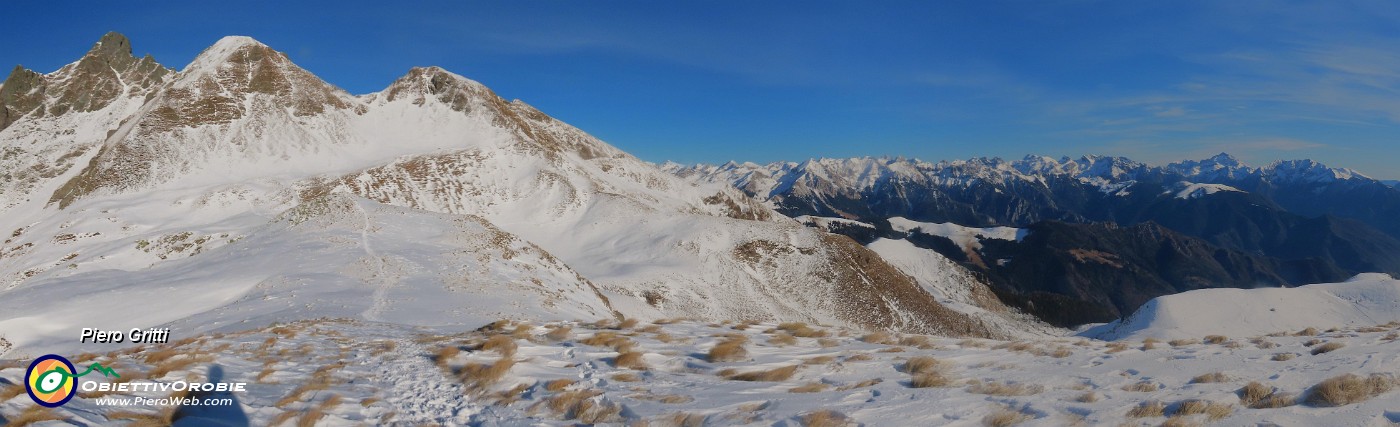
[(762, 81)]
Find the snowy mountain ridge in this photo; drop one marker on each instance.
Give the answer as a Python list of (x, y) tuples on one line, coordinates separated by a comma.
[(180, 175)]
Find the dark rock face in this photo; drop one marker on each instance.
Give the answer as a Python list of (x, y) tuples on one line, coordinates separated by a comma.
[(107, 71), (22, 94)]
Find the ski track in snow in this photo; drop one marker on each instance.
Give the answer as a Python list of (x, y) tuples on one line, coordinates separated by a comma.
[(375, 312)]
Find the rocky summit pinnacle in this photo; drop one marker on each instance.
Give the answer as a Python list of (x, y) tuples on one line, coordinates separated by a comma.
[(112, 45)]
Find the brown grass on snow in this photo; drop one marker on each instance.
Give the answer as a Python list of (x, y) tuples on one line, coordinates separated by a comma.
[(1216, 339), (801, 330), (1147, 410), (558, 384), (34, 414), (559, 333), (1326, 348), (808, 388), (1004, 417), (501, 344), (879, 337), (782, 339), (1213, 377), (729, 350), (921, 364), (825, 418), (479, 375), (1141, 387), (930, 379), (630, 360), (1259, 396), (776, 374), (999, 388), (1348, 389), (1213, 410), (1282, 357)]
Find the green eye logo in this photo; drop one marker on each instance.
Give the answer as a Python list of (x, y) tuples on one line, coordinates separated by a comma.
[(51, 380)]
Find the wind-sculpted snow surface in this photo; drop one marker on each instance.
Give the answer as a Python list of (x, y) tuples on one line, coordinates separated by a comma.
[(1366, 299), (686, 372)]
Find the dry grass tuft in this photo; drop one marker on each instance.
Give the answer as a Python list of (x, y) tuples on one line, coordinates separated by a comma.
[(825, 418), (827, 342), (1216, 339), (581, 405), (1325, 348), (8, 392), (782, 339), (630, 360), (808, 388), (972, 343), (685, 419), (34, 414), (626, 377), (921, 364), (919, 341), (776, 374), (998, 388), (1283, 357), (1309, 332), (862, 384), (158, 419), (1348, 389), (627, 324), (445, 354), (1182, 342), (162, 355), (1005, 417), (1259, 396), (801, 330), (819, 360), (1213, 377), (558, 384), (501, 344), (1141, 387), (1214, 410), (1179, 421), (1149, 344), (859, 357), (1147, 410), (1087, 397), (478, 376), (607, 339), (1062, 352), (931, 379), (559, 333), (729, 350), (879, 337), (1253, 393), (1115, 347)]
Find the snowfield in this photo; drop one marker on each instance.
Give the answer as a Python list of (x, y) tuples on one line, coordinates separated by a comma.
[(342, 372), (1367, 299)]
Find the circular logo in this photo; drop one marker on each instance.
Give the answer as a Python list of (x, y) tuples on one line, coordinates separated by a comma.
[(50, 380)]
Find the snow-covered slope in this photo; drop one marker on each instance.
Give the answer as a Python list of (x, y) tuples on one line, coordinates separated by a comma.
[(1365, 300), (338, 256), (969, 238), (1191, 190), (183, 177)]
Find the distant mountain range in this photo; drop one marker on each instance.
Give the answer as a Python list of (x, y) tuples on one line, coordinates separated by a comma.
[(1105, 234)]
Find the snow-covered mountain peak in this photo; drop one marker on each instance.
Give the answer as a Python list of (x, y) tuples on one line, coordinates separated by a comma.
[(1307, 170)]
